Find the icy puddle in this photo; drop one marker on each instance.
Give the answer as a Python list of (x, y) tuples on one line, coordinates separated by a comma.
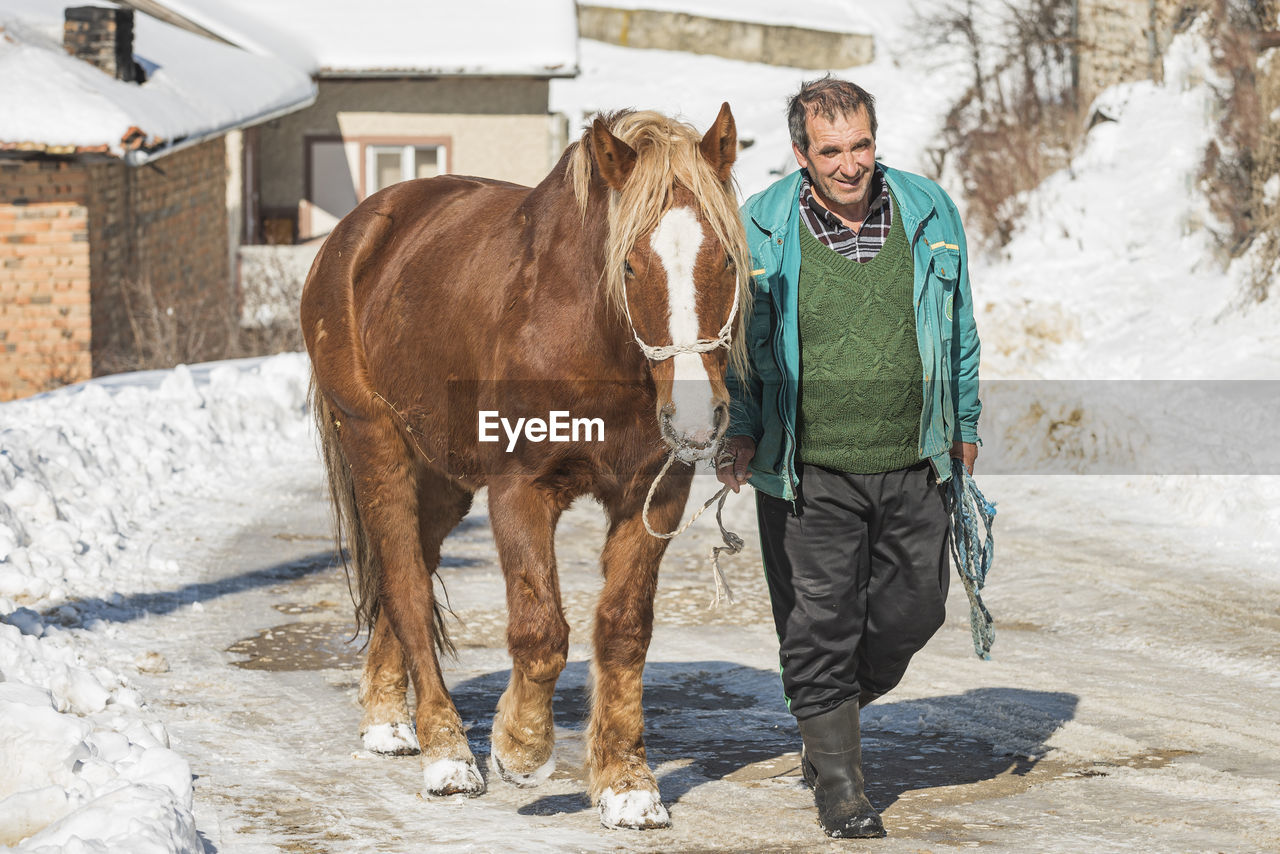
[(317, 645)]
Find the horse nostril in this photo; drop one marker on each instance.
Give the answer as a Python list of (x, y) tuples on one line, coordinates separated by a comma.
[(720, 419)]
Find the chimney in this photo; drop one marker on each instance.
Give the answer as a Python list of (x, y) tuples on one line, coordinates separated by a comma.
[(103, 37)]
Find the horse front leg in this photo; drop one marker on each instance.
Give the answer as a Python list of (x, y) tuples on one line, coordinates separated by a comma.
[(524, 518), (621, 784)]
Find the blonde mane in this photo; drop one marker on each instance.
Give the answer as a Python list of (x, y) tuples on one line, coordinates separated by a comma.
[(667, 155)]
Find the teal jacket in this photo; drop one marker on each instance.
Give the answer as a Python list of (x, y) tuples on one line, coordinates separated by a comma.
[(765, 402)]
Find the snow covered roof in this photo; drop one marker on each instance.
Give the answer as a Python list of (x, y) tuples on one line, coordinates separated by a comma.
[(52, 102), (400, 37)]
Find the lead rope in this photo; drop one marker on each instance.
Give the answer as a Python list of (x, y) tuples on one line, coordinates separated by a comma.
[(732, 542), (972, 553)]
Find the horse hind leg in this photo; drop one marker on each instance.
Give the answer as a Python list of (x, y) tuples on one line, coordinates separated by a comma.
[(386, 727), (523, 520), (395, 495)]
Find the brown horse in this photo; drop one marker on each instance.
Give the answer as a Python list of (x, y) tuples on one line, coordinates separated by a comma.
[(608, 294)]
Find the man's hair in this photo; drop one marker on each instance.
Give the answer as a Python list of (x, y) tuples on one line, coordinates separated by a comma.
[(831, 98)]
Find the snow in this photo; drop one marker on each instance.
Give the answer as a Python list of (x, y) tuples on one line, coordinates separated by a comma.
[(87, 474), (493, 37), (910, 99), (452, 776), (1110, 277), (634, 808), (194, 85), (390, 739)]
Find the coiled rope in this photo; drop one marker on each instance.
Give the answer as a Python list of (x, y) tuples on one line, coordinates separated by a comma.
[(732, 542), (972, 548)]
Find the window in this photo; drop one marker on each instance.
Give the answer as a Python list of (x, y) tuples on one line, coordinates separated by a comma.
[(343, 171), (390, 164)]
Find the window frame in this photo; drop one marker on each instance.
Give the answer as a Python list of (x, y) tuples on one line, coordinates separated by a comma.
[(442, 144)]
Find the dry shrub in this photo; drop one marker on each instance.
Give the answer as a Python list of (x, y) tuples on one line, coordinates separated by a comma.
[(1003, 159), (1018, 120), (59, 362), (164, 333), (1229, 160), (1246, 151)]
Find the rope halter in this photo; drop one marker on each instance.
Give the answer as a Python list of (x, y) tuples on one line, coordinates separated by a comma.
[(702, 345)]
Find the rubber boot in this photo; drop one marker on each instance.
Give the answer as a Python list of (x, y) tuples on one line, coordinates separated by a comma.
[(833, 762)]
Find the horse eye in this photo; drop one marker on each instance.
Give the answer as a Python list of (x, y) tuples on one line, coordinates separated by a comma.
[(728, 262), (628, 269)]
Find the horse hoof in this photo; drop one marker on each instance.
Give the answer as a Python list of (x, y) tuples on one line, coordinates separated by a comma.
[(452, 777), (391, 739), (637, 809), (524, 781)]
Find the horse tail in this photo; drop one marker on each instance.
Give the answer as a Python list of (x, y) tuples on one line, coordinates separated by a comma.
[(359, 559)]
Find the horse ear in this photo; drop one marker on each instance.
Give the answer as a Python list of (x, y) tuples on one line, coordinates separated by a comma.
[(720, 145), (615, 158)]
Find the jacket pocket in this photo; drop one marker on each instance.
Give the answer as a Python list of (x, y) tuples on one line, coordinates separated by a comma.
[(771, 446), (760, 341), (945, 270)]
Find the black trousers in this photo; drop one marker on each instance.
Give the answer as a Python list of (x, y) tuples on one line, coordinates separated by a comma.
[(858, 578)]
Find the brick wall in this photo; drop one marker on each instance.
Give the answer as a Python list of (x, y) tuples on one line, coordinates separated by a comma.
[(105, 267), (44, 277), (158, 238)]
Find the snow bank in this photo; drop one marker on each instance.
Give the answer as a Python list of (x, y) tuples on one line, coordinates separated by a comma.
[(81, 760), (87, 477), (85, 471)]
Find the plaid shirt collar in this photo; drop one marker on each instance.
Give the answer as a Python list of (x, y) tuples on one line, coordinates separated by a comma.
[(861, 245)]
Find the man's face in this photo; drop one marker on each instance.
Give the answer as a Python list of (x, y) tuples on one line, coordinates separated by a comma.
[(841, 159)]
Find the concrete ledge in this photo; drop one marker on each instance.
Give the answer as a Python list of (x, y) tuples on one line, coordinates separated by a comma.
[(794, 47)]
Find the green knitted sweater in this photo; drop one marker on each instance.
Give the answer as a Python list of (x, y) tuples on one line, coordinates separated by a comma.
[(860, 371)]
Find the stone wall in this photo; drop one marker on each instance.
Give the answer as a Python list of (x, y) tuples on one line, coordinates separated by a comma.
[(795, 47), (1125, 40)]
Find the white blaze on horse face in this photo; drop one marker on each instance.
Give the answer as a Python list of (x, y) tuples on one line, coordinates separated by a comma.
[(677, 241)]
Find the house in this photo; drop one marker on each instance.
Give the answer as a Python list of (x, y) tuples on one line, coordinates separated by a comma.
[(120, 186), (144, 143), (405, 89)]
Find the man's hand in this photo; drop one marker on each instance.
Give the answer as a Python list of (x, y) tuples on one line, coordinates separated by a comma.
[(731, 464), (966, 452)]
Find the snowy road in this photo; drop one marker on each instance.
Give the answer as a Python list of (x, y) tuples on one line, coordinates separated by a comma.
[(1131, 703)]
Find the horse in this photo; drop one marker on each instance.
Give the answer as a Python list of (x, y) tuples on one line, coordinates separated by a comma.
[(613, 291)]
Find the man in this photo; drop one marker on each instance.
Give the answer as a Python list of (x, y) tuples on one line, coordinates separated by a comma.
[(864, 382)]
